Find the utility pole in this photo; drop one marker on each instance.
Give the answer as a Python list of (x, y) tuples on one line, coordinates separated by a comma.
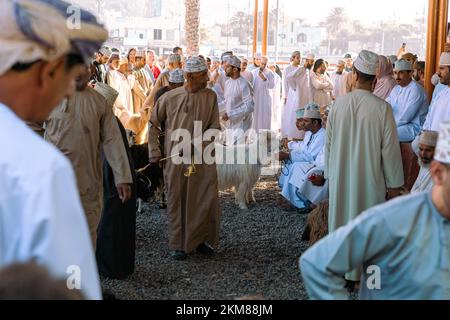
[(255, 28), (265, 27), (277, 25)]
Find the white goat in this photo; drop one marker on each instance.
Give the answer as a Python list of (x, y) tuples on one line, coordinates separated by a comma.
[(238, 174)]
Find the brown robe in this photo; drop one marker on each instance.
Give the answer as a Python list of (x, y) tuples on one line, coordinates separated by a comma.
[(141, 90), (81, 127), (193, 204)]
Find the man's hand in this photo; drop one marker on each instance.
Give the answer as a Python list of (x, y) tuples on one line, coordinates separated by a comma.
[(155, 160), (282, 156), (318, 181), (124, 191), (262, 76), (225, 117), (393, 193)]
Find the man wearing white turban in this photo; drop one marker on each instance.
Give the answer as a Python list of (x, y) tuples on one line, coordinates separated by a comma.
[(362, 152), (427, 145), (404, 241), (239, 105), (41, 213), (263, 82), (410, 106), (192, 190)]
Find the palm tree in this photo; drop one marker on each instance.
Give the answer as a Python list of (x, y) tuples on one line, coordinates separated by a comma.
[(192, 25)]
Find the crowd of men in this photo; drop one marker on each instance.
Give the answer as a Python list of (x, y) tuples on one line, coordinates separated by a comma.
[(352, 141)]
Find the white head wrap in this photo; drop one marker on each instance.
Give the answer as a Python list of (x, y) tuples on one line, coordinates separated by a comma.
[(429, 138), (234, 61), (195, 64), (367, 62), (442, 153), (108, 92), (403, 65), (32, 30), (176, 76), (445, 59)]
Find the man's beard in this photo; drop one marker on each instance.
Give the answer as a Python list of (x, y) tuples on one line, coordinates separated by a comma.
[(424, 164)]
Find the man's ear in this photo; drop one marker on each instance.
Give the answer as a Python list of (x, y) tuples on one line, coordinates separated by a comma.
[(439, 173), (48, 69)]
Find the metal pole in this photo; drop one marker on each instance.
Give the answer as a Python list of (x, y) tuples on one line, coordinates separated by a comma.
[(277, 25), (247, 37), (265, 27), (255, 28), (228, 21)]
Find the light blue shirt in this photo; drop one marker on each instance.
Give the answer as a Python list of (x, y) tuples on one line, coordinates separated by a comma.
[(410, 107), (407, 239), (311, 148)]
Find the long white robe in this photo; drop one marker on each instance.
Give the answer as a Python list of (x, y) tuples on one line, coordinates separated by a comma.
[(124, 105), (362, 156), (276, 104), (410, 107), (302, 161), (407, 240), (288, 127), (247, 75), (424, 182), (339, 84), (239, 106), (262, 117), (439, 110), (306, 189), (41, 216)]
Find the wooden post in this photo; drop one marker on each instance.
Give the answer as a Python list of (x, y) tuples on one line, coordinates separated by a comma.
[(436, 39), (255, 28), (265, 27)]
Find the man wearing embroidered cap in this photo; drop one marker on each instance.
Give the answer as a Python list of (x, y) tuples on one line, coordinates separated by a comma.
[(237, 116), (361, 134), (339, 79), (66, 129), (383, 234), (410, 106), (99, 64), (427, 145), (42, 217), (303, 158), (192, 197)]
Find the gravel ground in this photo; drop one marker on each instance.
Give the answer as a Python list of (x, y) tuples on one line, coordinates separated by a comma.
[(258, 255)]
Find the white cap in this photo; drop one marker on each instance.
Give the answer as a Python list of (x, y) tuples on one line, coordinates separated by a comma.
[(403, 65), (195, 64), (109, 93), (312, 111), (393, 59), (106, 51), (445, 59), (341, 63), (442, 153), (311, 56), (234, 61), (429, 138), (367, 62), (176, 76)]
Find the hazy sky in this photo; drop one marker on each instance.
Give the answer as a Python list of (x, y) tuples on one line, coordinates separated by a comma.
[(368, 11)]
